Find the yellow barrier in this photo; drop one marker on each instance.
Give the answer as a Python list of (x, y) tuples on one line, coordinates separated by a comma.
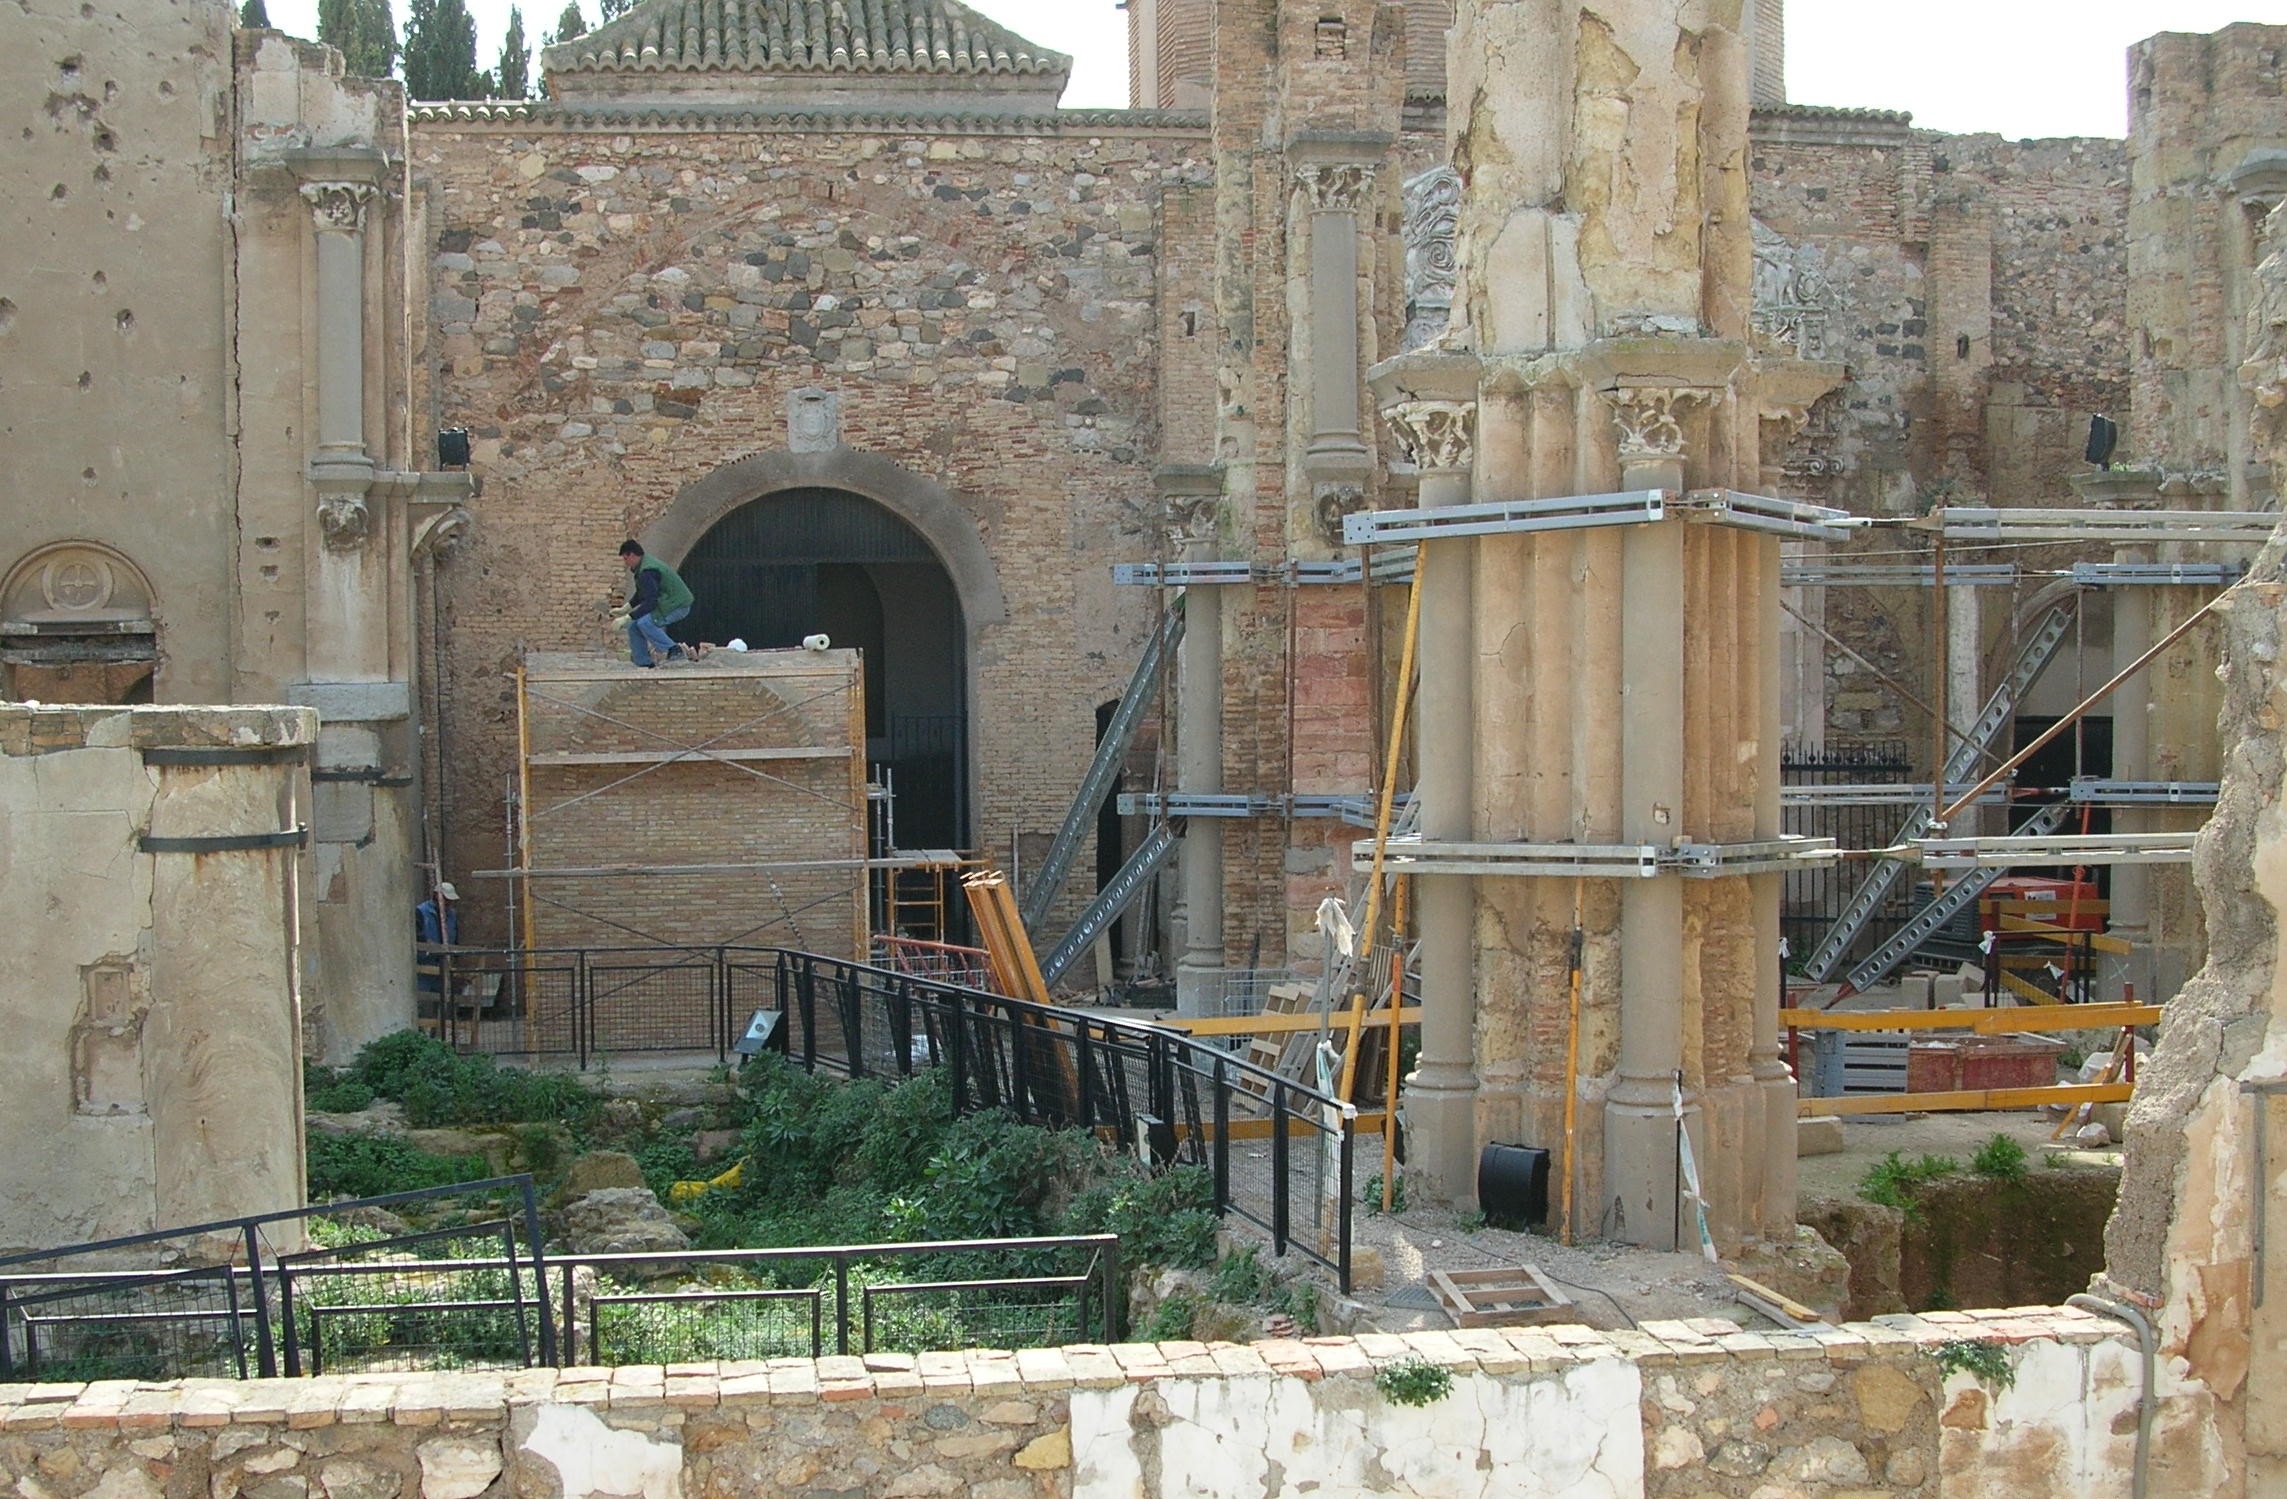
[(1982, 1022), (1974, 1099)]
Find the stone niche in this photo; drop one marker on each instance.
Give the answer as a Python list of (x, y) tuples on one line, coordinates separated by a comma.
[(76, 627)]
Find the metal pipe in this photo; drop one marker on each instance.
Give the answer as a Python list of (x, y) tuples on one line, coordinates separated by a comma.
[(2066, 722), (2148, 1403)]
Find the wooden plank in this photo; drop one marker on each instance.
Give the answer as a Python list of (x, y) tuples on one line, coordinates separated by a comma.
[(1504, 1296), (1972, 1099), (2032, 994), (2065, 934), (1983, 1022), (663, 757), (1265, 1024)]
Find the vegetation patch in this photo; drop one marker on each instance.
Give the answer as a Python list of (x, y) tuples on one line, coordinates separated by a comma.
[(1893, 1180), (1981, 1358), (2000, 1158), (376, 1165), (1413, 1380)]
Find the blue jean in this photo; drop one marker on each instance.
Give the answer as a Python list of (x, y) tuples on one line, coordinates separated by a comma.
[(648, 633)]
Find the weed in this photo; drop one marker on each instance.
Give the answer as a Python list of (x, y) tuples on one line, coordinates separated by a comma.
[(1891, 1181), (1469, 1222), (1172, 1320), (1299, 1299), (1240, 1277), (2001, 1158), (1981, 1358), (1371, 1194), (1413, 1380), (374, 1165)]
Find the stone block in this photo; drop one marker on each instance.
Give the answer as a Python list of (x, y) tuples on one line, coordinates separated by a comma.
[(1820, 1134)]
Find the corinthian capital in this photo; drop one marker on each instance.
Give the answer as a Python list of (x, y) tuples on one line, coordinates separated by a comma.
[(1439, 436), (1193, 519), (338, 207), (1650, 419), (1337, 187)]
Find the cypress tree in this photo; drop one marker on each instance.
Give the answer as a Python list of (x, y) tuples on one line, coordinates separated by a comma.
[(514, 76), (256, 14), (440, 52), (570, 24)]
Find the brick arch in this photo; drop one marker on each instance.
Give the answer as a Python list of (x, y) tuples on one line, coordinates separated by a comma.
[(941, 516)]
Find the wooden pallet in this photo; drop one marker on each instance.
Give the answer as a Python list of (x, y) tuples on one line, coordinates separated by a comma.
[(1504, 1296)]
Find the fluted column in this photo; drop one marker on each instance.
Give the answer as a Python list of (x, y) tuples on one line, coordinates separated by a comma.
[(1441, 1093)]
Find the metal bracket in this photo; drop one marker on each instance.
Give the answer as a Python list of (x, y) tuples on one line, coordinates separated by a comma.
[(2118, 574), (1983, 523), (1881, 794), (1901, 575), (1504, 517), (1759, 512), (2103, 792), (1597, 861), (2075, 848), (224, 843)]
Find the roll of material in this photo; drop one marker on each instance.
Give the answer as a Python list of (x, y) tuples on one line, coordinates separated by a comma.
[(815, 642), (1512, 1185)]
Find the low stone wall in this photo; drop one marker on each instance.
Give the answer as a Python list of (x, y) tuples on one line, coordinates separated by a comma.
[(1677, 1410)]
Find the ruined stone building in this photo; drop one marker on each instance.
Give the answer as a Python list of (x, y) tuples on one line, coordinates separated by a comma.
[(847, 320)]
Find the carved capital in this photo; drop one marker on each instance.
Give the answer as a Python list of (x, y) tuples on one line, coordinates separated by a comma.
[(1333, 502), (1342, 187), (338, 207), (344, 521), (1439, 436), (1193, 519), (1650, 420)]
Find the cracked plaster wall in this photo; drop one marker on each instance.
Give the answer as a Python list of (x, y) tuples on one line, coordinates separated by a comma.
[(152, 1010)]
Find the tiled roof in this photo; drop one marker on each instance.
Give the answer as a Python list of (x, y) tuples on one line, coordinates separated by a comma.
[(793, 36)]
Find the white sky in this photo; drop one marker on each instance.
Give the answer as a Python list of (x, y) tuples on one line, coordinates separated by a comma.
[(2018, 67)]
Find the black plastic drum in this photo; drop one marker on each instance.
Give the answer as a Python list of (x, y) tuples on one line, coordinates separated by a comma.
[(1512, 1186)]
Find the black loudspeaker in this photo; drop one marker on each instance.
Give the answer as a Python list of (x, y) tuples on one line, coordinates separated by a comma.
[(1512, 1186), (2103, 437), (453, 448)]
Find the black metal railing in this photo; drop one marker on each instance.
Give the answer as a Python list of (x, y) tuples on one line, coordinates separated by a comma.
[(1815, 895), (1172, 1099), (492, 1300)]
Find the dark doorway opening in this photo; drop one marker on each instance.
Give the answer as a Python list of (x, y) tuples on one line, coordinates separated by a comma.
[(2085, 749), (809, 561)]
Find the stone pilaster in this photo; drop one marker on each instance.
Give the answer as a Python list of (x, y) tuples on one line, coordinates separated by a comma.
[(1193, 497)]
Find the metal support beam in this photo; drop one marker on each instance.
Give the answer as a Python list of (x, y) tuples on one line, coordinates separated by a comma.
[(2124, 527), (2098, 791), (1950, 903), (1231, 574), (1111, 752), (1600, 861), (1111, 902), (1900, 575), (2161, 574), (2021, 850), (1877, 794)]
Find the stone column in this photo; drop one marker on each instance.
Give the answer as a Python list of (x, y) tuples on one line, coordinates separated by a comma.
[(1193, 520), (1441, 1093), (1639, 1117), (1334, 194)]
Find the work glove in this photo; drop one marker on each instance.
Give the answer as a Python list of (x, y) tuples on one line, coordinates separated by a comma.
[(619, 619)]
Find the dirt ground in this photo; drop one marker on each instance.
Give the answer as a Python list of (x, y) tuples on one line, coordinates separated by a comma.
[(1869, 1138)]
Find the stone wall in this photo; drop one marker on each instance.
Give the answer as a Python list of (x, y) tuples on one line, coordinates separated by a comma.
[(752, 759), (153, 1009), (619, 313), (1674, 1411)]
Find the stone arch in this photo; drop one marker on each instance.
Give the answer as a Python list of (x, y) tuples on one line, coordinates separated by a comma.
[(937, 513), (77, 625)]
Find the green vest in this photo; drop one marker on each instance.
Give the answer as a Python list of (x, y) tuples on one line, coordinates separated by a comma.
[(674, 593)]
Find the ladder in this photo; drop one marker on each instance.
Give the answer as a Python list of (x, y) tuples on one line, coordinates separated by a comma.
[(1999, 712), (1111, 752), (1925, 922), (1111, 902)]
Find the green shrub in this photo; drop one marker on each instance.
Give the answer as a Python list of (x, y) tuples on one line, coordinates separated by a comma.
[(1371, 1193), (1413, 1380), (376, 1165), (1173, 1319), (438, 1086), (1982, 1358), (2001, 1158), (1240, 1277), (1298, 1299), (1891, 1181), (1167, 1219)]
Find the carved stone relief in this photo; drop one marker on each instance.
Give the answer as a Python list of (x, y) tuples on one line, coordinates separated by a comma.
[(1193, 519), (813, 420), (1794, 300), (343, 521), (338, 207), (1432, 217), (1439, 436), (1650, 420), (75, 583), (1339, 187), (1333, 502)]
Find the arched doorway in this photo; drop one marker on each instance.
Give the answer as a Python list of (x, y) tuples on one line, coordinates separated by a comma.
[(76, 626), (807, 560)]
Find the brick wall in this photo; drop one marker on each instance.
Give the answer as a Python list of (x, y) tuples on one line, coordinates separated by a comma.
[(779, 800)]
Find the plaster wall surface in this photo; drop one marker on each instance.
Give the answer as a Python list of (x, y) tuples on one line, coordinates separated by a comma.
[(155, 1010)]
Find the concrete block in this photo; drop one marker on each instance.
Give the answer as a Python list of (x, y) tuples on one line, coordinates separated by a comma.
[(1821, 1135)]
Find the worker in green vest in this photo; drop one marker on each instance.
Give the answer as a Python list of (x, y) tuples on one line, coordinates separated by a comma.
[(660, 599)]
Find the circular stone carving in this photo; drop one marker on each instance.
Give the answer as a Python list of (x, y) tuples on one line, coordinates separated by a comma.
[(75, 582)]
